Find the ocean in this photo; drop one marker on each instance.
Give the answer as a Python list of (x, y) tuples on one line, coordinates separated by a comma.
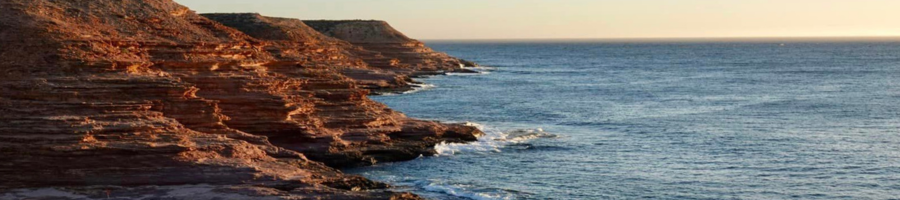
[(762, 119)]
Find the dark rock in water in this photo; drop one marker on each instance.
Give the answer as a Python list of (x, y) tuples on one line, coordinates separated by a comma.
[(147, 97), (468, 63), (416, 138)]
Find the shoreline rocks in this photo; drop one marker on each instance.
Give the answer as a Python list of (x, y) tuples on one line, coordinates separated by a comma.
[(109, 97)]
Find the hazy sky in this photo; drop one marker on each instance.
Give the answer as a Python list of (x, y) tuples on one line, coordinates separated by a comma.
[(517, 19)]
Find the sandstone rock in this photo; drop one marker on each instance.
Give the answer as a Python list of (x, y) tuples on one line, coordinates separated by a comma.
[(297, 41), (135, 93)]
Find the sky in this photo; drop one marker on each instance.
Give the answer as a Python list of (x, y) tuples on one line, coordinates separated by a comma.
[(590, 19)]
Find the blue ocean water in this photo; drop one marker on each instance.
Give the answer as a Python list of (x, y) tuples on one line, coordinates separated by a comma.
[(662, 120)]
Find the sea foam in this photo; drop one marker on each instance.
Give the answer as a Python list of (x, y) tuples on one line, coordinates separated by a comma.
[(469, 74), (478, 71), (418, 87), (493, 140), (459, 192), (464, 191)]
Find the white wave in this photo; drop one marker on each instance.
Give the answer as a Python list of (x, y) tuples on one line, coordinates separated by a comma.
[(478, 71), (480, 68), (492, 141), (418, 87), (388, 94), (528, 134), (461, 191), (468, 74)]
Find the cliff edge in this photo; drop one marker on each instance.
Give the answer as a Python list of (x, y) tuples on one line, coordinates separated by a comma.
[(145, 98), (381, 37)]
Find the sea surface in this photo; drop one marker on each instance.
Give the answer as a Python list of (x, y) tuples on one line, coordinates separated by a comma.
[(661, 120)]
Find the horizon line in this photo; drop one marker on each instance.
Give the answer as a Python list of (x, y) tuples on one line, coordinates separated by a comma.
[(724, 38)]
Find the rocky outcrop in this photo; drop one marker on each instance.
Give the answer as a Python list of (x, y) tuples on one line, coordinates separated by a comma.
[(297, 41), (123, 94), (379, 39), (377, 56)]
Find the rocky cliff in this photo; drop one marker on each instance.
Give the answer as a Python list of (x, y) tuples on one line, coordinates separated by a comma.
[(145, 97), (411, 56), (297, 41)]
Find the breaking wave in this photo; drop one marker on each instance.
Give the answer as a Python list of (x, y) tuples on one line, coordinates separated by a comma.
[(469, 74), (418, 87), (461, 192), (478, 71), (493, 140)]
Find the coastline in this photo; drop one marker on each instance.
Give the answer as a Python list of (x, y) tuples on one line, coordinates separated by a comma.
[(156, 101), (379, 190)]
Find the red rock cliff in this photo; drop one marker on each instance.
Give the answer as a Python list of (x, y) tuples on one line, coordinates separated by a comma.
[(146, 92), (298, 41)]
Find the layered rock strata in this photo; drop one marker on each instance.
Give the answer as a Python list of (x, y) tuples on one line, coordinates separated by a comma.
[(378, 40), (297, 41), (120, 95)]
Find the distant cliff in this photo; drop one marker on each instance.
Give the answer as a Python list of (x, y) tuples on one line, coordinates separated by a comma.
[(379, 36), (131, 98)]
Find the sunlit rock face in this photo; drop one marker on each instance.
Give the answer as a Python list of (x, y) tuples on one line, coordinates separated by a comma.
[(297, 41), (146, 92)]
